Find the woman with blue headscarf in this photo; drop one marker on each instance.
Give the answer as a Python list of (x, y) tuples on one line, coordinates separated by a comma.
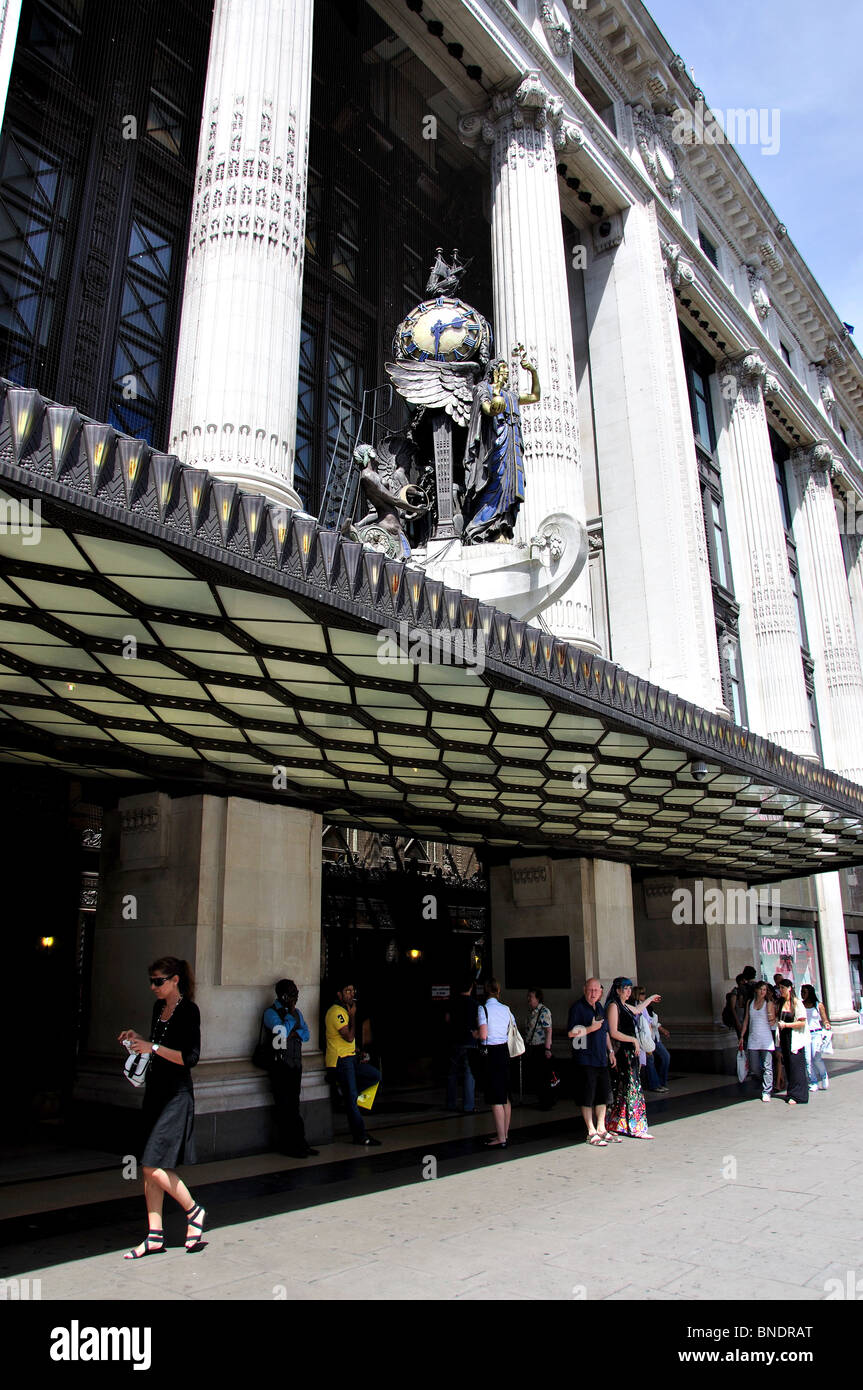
[(628, 1114)]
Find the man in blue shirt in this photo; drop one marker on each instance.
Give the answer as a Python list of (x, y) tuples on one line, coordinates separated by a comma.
[(593, 1055), (289, 1031)]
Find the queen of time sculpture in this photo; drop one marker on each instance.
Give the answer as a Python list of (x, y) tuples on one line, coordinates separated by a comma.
[(442, 351)]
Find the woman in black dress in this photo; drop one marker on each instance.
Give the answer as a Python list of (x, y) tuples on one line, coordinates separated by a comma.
[(169, 1101), (792, 1040)]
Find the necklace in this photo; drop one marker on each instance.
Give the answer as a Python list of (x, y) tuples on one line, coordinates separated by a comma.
[(163, 1022)]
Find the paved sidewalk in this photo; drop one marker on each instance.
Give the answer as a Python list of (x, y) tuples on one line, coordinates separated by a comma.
[(699, 1213)]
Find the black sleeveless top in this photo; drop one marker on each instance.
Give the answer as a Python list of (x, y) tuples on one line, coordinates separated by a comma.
[(182, 1032)]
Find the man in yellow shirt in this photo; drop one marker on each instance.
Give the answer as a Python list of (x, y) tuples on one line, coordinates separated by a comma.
[(351, 1074)]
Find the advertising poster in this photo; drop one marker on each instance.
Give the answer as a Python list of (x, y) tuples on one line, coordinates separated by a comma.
[(790, 950)]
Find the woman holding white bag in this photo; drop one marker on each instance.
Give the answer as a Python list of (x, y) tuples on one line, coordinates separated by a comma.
[(495, 1021), (756, 1035), (819, 1030)]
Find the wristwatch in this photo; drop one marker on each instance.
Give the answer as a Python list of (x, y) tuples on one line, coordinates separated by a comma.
[(155, 1047)]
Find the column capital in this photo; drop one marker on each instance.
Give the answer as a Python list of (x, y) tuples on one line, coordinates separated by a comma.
[(749, 370), (529, 104), (815, 460)]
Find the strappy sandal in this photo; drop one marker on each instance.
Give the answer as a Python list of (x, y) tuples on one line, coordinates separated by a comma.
[(609, 1136), (154, 1244), (597, 1141), (195, 1217)]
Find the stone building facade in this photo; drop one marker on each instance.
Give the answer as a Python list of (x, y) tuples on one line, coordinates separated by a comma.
[(701, 420)]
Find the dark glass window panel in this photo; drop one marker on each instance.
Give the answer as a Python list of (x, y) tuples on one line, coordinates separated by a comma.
[(30, 176), (347, 237), (165, 126), (702, 416), (722, 574), (149, 250), (708, 248), (130, 360), (144, 309), (171, 78), (19, 306), (785, 353), (129, 417), (313, 212), (54, 34)]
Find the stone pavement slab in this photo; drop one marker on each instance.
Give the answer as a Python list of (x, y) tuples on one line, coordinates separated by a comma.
[(700, 1214)]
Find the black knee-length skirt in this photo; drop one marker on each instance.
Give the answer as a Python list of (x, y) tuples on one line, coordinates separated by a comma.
[(169, 1122), (497, 1074)]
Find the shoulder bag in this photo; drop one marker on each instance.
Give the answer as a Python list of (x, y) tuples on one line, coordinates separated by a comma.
[(644, 1034), (514, 1040), (263, 1054)]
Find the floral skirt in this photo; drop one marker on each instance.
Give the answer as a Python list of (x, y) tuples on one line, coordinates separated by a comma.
[(628, 1114)]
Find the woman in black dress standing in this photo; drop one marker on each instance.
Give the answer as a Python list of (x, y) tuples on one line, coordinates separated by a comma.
[(169, 1101), (793, 1029)]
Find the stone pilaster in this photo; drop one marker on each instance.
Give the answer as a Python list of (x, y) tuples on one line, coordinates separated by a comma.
[(10, 14), (836, 976), (659, 597), (770, 641), (235, 399), (524, 132), (852, 547), (829, 619)]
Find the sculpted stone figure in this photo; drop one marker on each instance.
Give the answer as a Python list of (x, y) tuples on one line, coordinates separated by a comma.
[(381, 526), (494, 456)]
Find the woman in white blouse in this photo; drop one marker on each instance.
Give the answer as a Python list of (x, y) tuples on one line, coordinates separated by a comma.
[(494, 1021)]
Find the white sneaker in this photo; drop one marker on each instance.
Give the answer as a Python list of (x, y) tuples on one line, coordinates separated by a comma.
[(766, 1099), (814, 1088), (825, 1084)]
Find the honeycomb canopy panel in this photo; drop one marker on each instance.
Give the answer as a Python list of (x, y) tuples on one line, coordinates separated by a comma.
[(164, 644)]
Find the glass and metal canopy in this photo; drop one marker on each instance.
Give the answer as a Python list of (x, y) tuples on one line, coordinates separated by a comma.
[(161, 627)]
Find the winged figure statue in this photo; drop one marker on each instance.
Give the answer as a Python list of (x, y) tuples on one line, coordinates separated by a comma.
[(447, 386)]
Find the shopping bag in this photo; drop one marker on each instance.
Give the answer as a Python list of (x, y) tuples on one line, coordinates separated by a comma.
[(742, 1066), (366, 1098), (826, 1048)]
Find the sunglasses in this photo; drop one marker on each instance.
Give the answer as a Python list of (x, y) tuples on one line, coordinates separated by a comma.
[(160, 979)]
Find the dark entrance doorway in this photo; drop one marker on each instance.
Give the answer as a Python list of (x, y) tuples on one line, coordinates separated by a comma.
[(406, 933)]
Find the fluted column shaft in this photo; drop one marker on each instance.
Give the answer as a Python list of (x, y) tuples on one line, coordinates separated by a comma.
[(775, 684), (829, 620), (235, 399), (531, 303)]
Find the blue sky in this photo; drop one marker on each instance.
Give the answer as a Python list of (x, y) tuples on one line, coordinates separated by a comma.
[(806, 60)]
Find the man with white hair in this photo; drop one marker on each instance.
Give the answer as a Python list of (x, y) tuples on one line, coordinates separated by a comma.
[(593, 1055)]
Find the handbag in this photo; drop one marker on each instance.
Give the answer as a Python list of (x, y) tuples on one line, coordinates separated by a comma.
[(644, 1034), (742, 1066), (826, 1048), (135, 1066), (514, 1040), (263, 1054)]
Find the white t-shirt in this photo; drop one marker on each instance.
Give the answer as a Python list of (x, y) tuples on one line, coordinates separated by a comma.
[(759, 1036), (498, 1017)]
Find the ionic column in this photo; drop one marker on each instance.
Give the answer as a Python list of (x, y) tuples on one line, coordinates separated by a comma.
[(775, 686), (531, 302), (235, 399), (829, 620)]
